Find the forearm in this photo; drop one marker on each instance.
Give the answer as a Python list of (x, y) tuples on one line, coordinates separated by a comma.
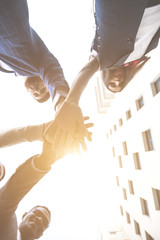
[(22, 134), (50, 70), (43, 161), (48, 156), (82, 80), (21, 182), (55, 81)]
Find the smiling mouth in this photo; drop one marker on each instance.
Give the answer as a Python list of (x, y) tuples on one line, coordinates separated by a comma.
[(35, 94)]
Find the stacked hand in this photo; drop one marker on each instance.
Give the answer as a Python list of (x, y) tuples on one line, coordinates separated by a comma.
[(67, 132)]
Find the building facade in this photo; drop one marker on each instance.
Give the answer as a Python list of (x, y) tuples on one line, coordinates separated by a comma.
[(132, 124)]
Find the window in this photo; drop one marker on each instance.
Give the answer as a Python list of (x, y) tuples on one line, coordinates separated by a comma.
[(148, 237), (136, 160), (117, 181), (136, 227), (120, 161), (156, 197), (139, 103), (128, 114), (113, 151), (125, 151), (121, 210), (120, 122), (147, 140), (155, 87), (144, 207), (115, 127), (128, 217), (130, 184), (124, 193), (113, 233)]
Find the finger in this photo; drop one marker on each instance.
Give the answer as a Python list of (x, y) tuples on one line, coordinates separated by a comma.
[(86, 118), (50, 132), (60, 144), (56, 140), (78, 132), (88, 125), (81, 130), (68, 143), (80, 125), (83, 144), (77, 150), (89, 137)]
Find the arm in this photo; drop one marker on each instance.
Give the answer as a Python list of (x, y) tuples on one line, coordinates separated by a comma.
[(20, 183), (49, 69), (22, 134), (82, 80), (69, 123), (25, 52), (23, 180)]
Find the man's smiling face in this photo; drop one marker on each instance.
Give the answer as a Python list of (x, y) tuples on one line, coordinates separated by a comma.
[(116, 80), (35, 222)]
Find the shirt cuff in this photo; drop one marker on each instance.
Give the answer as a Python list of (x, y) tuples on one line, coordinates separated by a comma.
[(95, 55), (38, 169), (59, 92)]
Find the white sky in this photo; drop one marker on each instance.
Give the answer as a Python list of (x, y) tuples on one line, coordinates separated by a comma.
[(77, 190)]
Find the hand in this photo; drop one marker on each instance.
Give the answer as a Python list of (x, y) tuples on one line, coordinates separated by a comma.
[(79, 143), (67, 126), (49, 154)]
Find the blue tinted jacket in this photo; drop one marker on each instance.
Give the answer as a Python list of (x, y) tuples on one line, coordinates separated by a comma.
[(23, 50)]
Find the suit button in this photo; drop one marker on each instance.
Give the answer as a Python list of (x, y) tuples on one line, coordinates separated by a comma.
[(129, 40)]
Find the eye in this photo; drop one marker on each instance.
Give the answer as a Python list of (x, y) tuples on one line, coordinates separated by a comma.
[(30, 88)]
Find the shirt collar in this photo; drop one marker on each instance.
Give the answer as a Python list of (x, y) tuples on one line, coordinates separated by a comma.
[(19, 235)]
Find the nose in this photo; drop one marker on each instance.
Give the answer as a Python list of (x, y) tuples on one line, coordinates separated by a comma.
[(36, 91), (39, 222), (116, 81)]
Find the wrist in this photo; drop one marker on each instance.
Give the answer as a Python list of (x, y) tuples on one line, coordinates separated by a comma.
[(60, 93), (41, 162), (72, 100)]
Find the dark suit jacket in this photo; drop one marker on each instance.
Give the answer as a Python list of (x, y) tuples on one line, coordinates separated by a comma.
[(20, 183), (24, 51), (117, 24)]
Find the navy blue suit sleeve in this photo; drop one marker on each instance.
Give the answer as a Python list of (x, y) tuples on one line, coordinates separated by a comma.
[(23, 50)]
